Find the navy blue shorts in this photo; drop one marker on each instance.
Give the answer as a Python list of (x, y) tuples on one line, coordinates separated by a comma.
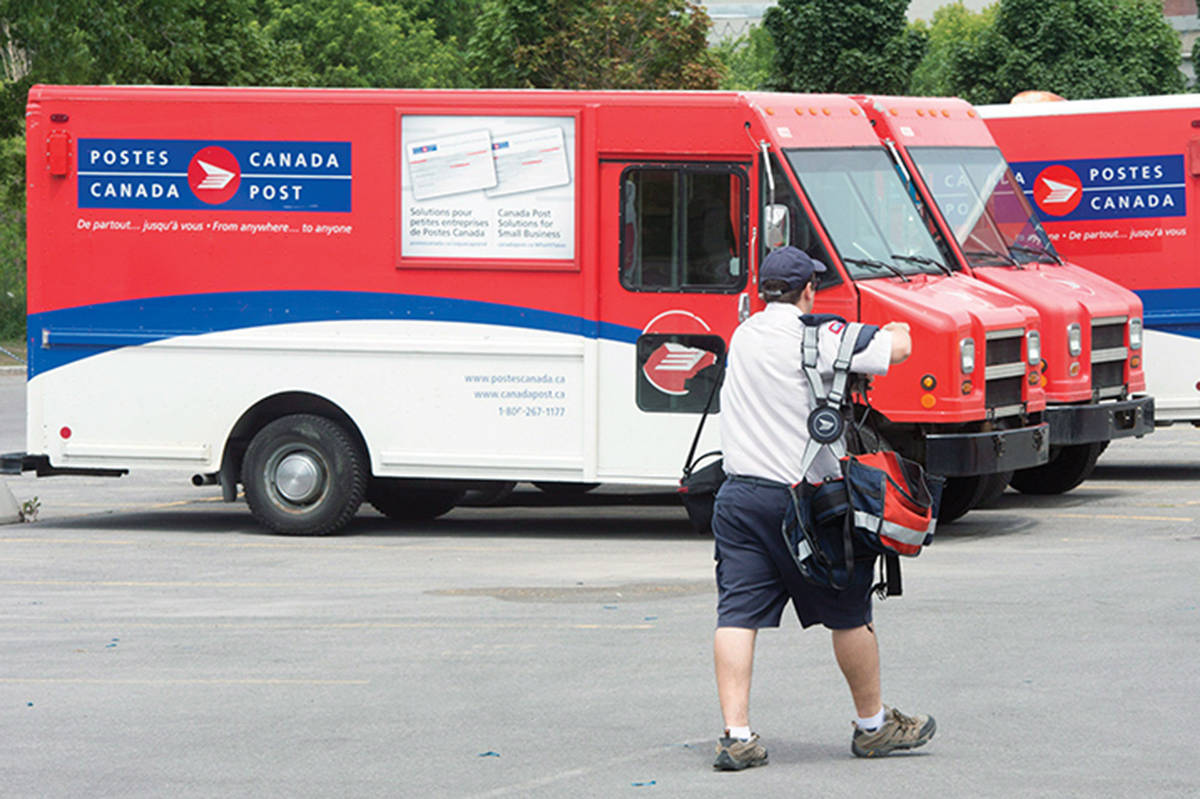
[(756, 575)]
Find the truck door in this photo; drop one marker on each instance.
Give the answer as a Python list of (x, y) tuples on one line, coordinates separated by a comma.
[(674, 275)]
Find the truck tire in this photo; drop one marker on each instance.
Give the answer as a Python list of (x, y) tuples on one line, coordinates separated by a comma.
[(304, 475), (993, 488), (1066, 469), (959, 496), (396, 500), (565, 489)]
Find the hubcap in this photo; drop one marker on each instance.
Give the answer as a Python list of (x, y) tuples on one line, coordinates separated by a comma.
[(299, 477)]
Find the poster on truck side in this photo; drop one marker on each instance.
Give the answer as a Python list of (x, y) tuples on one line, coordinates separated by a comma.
[(487, 187)]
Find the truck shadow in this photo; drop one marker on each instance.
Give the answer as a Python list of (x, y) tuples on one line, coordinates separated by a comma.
[(1147, 471)]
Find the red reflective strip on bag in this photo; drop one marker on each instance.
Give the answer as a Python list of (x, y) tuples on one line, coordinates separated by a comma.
[(907, 513)]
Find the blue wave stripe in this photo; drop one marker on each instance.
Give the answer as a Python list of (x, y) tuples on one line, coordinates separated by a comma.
[(1172, 310), (57, 338)]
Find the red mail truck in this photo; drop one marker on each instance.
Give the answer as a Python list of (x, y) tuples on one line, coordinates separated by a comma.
[(1116, 185), (326, 296), (1093, 368)]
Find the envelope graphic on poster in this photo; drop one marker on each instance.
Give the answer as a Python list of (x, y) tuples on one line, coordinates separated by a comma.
[(451, 164), (535, 159)]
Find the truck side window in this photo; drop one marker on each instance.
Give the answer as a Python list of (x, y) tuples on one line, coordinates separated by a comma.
[(803, 234), (683, 228)]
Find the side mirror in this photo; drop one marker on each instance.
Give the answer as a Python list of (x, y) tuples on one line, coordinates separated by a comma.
[(777, 226)]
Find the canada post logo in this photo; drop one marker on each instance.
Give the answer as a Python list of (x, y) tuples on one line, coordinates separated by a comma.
[(671, 365), (1105, 188), (172, 174)]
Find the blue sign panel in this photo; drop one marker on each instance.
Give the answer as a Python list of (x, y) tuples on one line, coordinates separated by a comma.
[(1105, 188), (173, 174)]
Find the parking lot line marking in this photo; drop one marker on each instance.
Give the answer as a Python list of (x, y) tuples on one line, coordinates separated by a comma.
[(540, 782), (194, 584), (167, 681), (323, 546), (300, 624), (1123, 517)]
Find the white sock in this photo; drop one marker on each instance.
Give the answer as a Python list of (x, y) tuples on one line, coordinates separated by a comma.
[(871, 723), (741, 733)]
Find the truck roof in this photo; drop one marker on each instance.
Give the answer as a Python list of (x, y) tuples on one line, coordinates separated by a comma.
[(1110, 105)]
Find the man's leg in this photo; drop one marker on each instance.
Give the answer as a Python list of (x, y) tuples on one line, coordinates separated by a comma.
[(857, 655), (733, 657)]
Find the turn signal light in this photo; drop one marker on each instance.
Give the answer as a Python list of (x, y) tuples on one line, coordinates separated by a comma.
[(928, 401), (967, 387), (1034, 378), (929, 382), (1135, 362), (1074, 370)]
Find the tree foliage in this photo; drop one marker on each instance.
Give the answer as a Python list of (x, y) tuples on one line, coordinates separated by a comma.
[(1075, 48), (213, 42), (954, 27), (576, 44), (849, 47), (368, 44), (747, 61)]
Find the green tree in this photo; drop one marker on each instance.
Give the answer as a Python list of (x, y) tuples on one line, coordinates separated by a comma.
[(748, 60), (363, 43), (212, 42), (836, 46), (12, 237), (451, 18), (954, 27), (1075, 48), (608, 44)]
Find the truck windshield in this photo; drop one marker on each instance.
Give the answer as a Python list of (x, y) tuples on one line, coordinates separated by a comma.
[(984, 206), (864, 206)]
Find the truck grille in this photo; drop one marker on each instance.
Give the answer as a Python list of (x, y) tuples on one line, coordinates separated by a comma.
[(1108, 356), (1004, 392), (1005, 371), (1004, 350), (1108, 375), (1108, 332)]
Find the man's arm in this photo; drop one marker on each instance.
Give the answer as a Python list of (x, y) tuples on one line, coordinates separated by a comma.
[(901, 341)]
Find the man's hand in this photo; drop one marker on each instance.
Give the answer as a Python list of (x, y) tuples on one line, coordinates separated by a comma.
[(901, 340)]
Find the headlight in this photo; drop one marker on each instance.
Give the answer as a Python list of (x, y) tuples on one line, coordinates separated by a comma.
[(1074, 339), (1033, 348), (966, 355), (1135, 333)]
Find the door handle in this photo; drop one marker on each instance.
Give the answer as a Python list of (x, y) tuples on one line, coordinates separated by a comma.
[(743, 307)]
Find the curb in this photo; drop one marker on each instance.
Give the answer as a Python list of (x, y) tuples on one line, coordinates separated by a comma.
[(10, 511), (12, 370)]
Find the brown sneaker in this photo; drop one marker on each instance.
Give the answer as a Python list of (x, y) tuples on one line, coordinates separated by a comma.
[(734, 754), (898, 732)]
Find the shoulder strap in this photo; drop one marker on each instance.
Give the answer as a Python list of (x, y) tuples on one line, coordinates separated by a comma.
[(855, 337), (712, 392)]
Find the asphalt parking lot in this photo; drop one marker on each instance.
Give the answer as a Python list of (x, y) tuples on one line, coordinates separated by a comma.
[(157, 643)]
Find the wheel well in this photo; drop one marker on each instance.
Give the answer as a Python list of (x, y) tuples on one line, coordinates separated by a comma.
[(274, 407)]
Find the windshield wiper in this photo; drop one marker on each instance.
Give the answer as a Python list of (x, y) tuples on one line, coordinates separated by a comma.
[(921, 259), (878, 265), (1036, 251), (993, 254)]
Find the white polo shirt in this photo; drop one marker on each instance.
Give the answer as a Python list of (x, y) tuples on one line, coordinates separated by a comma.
[(765, 399)]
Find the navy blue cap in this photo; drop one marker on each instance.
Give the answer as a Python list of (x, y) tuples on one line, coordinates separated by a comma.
[(791, 265)]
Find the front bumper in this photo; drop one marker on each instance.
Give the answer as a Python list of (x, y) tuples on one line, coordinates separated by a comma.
[(1102, 421), (965, 454)]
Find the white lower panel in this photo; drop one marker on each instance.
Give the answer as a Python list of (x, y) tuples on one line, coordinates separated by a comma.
[(477, 400), (1172, 364)]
